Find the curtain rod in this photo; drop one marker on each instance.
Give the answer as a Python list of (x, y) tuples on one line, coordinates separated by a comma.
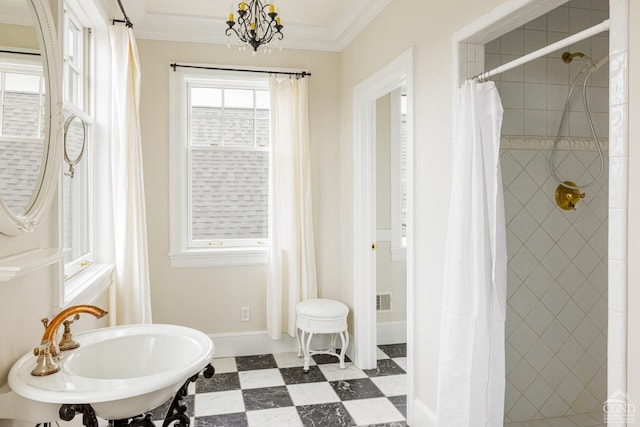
[(297, 74), (126, 21), (582, 35), (17, 52)]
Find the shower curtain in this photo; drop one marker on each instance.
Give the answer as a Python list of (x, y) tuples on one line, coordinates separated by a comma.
[(133, 295), (292, 264), (471, 375)]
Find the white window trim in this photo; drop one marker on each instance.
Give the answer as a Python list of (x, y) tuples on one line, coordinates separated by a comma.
[(71, 16), (180, 253), (92, 281), (86, 260), (398, 243), (87, 285)]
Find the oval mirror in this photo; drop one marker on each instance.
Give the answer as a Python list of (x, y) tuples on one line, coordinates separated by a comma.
[(30, 124)]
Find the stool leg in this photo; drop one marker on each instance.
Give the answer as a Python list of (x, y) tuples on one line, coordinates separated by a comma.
[(344, 337), (298, 332), (334, 338), (307, 350)]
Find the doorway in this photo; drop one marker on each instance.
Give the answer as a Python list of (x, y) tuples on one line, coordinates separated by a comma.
[(395, 75), (391, 300)]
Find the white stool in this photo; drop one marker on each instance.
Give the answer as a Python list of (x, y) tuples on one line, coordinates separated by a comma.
[(321, 316)]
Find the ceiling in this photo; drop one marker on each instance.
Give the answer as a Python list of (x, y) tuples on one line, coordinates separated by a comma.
[(308, 24), (15, 12)]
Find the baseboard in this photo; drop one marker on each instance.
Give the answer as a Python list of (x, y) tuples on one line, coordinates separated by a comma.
[(250, 343), (259, 342), (391, 332), (422, 415)]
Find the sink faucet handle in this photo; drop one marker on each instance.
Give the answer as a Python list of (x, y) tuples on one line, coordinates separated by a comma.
[(45, 364), (45, 322), (67, 342)]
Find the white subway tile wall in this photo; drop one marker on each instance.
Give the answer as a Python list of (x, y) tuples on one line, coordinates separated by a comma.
[(534, 95)]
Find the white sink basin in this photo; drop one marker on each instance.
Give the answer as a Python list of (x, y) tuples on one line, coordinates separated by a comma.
[(121, 371)]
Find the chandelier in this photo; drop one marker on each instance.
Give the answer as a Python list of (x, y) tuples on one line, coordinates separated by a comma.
[(255, 26)]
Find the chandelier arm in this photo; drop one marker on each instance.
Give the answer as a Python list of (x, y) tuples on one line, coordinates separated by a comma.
[(230, 29)]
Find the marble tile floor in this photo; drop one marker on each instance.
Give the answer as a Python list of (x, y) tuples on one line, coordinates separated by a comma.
[(272, 390)]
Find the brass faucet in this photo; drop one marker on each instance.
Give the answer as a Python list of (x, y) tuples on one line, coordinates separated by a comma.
[(48, 349)]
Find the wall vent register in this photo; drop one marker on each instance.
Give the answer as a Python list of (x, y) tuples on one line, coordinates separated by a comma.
[(383, 302)]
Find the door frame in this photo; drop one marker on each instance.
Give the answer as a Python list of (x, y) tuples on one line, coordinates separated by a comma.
[(398, 72)]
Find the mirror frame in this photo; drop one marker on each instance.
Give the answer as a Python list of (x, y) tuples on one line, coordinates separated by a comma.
[(45, 189), (72, 162)]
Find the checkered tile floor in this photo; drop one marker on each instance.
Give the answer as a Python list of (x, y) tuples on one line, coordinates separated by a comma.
[(273, 390)]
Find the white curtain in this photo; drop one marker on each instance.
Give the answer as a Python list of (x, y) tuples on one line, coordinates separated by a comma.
[(292, 266), (133, 300), (471, 376)]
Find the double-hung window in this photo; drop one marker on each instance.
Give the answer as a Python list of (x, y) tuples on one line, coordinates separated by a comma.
[(21, 128), (77, 181), (219, 168)]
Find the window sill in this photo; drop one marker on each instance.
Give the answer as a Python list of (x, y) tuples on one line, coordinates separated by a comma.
[(88, 285), (23, 263), (229, 257)]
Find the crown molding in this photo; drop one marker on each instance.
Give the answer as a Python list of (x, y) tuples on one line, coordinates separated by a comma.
[(354, 19), (356, 15)]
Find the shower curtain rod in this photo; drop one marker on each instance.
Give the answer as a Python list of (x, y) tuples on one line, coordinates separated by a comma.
[(126, 21), (582, 35), (18, 52), (297, 74)]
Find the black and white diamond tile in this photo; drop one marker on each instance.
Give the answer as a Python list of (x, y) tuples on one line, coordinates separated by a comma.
[(272, 390)]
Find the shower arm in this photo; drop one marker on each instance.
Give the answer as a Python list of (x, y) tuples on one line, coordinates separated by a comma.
[(567, 57)]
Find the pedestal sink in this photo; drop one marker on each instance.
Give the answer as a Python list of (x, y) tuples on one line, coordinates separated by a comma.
[(120, 372)]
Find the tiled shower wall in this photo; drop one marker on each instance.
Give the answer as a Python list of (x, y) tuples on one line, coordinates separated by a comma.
[(557, 287), (557, 283), (534, 95)]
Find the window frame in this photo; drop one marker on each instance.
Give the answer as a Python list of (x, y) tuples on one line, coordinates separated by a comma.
[(83, 52), (96, 278), (12, 64), (83, 109), (186, 252), (398, 241)]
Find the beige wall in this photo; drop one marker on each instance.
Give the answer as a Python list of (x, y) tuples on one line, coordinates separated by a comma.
[(209, 299), (429, 28)]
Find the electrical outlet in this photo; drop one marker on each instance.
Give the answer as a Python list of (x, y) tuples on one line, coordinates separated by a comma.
[(245, 314)]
